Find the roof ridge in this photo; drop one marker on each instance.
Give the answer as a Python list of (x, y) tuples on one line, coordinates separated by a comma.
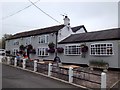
[(77, 26), (39, 29), (105, 30), (109, 34), (98, 31)]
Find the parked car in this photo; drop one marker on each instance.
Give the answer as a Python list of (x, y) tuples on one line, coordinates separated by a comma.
[(2, 52)]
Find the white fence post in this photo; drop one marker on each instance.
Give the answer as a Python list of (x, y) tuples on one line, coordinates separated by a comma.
[(8, 60), (24, 63), (49, 69), (35, 66), (15, 62), (103, 80), (1, 58), (70, 74)]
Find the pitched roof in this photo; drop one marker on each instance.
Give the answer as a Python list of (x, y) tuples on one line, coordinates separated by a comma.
[(111, 34), (75, 29), (37, 32), (47, 30)]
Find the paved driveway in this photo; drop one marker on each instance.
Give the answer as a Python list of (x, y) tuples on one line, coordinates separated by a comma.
[(16, 78)]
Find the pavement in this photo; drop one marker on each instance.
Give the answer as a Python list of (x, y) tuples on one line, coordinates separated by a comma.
[(17, 78)]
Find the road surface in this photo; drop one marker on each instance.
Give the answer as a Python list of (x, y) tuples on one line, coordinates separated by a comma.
[(17, 78)]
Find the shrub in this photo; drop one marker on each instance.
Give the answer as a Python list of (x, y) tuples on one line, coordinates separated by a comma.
[(99, 63)]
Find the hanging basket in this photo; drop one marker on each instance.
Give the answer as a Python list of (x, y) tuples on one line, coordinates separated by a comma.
[(33, 51), (84, 48), (60, 50), (51, 45), (29, 47), (52, 50), (22, 47)]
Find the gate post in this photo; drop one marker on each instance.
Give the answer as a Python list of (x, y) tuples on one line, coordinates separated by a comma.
[(70, 74), (24, 63), (49, 69), (8, 60), (35, 66), (103, 80), (15, 62)]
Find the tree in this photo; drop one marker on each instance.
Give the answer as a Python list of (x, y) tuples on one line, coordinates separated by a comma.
[(5, 36), (0, 43)]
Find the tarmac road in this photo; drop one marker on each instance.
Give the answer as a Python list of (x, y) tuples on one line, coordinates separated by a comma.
[(17, 78)]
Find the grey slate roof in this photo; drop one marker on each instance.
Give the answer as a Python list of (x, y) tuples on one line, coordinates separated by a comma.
[(37, 32), (111, 34), (75, 29), (47, 30)]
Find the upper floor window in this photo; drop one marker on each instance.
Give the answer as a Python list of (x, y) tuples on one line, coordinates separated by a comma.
[(28, 40), (43, 39), (102, 49), (42, 52), (72, 50), (16, 42)]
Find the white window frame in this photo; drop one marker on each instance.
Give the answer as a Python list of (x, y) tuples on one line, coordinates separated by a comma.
[(44, 49), (15, 42), (104, 53), (27, 40), (71, 51), (45, 39), (15, 50)]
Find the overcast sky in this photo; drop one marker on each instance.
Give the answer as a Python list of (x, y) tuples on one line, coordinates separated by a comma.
[(94, 15)]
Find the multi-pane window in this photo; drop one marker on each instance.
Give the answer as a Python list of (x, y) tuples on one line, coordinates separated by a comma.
[(16, 42), (102, 49), (42, 52), (28, 41), (43, 39), (15, 51), (72, 50)]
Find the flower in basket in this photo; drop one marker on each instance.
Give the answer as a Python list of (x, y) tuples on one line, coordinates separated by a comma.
[(29, 47), (33, 51), (60, 50), (21, 52), (51, 50), (51, 45), (84, 48), (22, 47)]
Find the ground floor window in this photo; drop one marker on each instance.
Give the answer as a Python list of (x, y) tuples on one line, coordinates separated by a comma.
[(42, 52), (101, 49), (72, 50), (15, 51)]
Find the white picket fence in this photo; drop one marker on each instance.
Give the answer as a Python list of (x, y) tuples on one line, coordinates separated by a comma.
[(70, 71)]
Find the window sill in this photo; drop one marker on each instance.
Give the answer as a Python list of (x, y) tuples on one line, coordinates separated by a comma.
[(103, 55), (72, 54), (43, 56)]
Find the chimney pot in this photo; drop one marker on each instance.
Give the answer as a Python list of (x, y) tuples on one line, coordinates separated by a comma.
[(66, 20)]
